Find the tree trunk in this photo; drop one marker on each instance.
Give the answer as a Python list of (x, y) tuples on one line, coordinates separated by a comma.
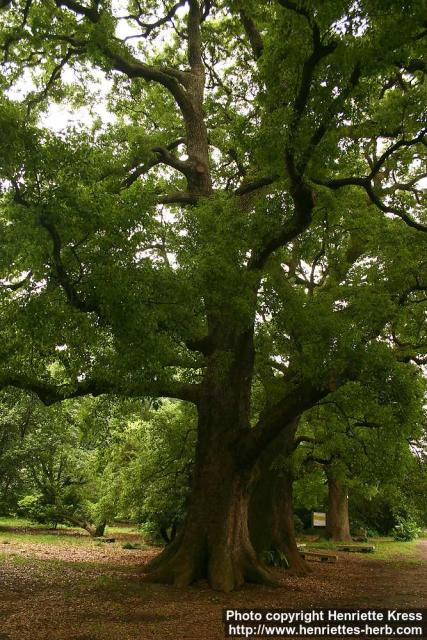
[(99, 530), (214, 541), (271, 519), (271, 514), (337, 520), (95, 531)]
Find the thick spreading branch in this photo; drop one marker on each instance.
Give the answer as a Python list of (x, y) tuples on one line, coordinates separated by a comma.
[(252, 33), (298, 399), (254, 185), (183, 166), (303, 199), (149, 27), (128, 64), (159, 158), (179, 197), (89, 12), (50, 393), (167, 77), (366, 182)]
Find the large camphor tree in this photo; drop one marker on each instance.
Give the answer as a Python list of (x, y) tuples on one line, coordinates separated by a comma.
[(253, 153)]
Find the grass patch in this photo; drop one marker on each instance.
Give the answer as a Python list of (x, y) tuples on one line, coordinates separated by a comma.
[(392, 550), (386, 549), (23, 530), (22, 561), (126, 529), (24, 523), (48, 538)]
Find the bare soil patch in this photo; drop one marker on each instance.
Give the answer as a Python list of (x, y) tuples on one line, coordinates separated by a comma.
[(50, 592)]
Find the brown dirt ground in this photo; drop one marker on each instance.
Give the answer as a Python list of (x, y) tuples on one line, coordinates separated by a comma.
[(50, 592)]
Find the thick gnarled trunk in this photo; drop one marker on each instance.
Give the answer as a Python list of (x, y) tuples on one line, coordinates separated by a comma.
[(214, 541), (337, 519), (271, 514), (271, 519)]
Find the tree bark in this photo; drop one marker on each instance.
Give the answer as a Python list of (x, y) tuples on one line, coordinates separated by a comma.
[(337, 520), (271, 514), (214, 541), (271, 519), (95, 531), (99, 530)]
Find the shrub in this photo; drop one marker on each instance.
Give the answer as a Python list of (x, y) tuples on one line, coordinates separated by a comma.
[(405, 529), (298, 524), (31, 506), (131, 545), (274, 558), (36, 508)]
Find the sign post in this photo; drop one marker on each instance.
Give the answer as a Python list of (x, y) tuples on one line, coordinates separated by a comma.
[(318, 519)]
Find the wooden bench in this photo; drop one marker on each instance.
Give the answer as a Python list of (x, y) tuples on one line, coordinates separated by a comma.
[(318, 556), (354, 548)]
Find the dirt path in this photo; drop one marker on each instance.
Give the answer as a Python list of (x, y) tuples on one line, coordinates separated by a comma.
[(58, 597), (422, 549)]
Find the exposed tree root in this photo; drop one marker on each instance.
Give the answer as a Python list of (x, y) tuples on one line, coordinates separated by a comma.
[(224, 570), (297, 565)]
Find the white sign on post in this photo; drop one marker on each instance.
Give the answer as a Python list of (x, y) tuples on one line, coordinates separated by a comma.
[(319, 519)]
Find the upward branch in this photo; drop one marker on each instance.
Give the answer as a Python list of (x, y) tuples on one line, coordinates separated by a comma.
[(298, 222), (194, 36), (60, 272), (253, 34), (320, 50), (123, 60), (300, 191)]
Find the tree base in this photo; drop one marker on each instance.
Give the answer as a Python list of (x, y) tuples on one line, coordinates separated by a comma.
[(340, 538), (297, 565), (181, 565)]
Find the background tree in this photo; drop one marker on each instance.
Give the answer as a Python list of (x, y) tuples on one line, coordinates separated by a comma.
[(361, 437), (56, 477), (17, 414), (147, 469)]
